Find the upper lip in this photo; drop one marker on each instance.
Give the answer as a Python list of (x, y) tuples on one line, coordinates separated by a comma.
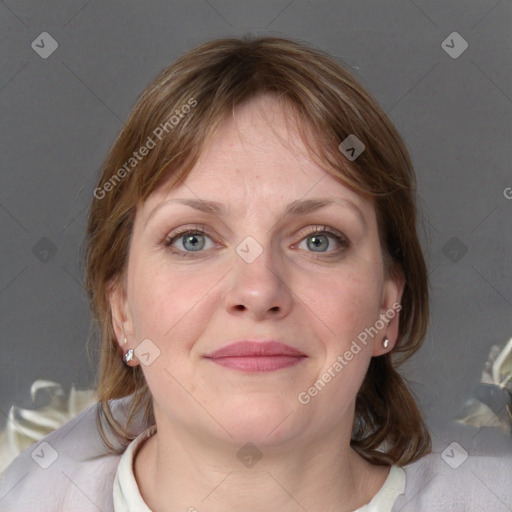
[(249, 348)]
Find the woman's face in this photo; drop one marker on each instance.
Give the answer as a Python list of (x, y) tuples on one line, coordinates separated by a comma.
[(256, 269)]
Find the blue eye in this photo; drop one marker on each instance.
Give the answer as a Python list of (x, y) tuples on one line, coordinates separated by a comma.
[(319, 239), (195, 240), (191, 240)]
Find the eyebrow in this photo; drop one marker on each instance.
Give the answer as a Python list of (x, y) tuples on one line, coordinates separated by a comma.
[(295, 208)]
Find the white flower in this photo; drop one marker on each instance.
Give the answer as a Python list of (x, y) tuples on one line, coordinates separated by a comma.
[(27, 426)]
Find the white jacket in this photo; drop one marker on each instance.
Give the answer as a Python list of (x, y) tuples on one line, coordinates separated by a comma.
[(70, 470)]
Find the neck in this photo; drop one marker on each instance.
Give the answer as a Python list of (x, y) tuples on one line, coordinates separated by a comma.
[(179, 470)]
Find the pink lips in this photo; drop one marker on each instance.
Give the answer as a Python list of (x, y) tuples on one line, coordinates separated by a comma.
[(251, 356)]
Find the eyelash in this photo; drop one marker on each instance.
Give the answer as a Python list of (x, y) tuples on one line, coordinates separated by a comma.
[(340, 239)]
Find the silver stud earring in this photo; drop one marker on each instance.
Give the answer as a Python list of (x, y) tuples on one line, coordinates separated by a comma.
[(125, 341), (385, 342), (128, 356)]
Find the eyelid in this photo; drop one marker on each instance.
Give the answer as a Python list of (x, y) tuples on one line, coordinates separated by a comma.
[(321, 229), (170, 237)]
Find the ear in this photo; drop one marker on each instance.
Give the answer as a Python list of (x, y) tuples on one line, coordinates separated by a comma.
[(121, 318), (390, 312)]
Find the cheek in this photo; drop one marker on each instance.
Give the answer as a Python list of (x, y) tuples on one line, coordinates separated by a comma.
[(351, 304), (345, 302), (165, 302)]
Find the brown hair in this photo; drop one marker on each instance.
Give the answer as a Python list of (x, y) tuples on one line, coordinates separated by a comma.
[(179, 111)]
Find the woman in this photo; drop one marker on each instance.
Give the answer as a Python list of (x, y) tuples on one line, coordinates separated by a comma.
[(253, 264)]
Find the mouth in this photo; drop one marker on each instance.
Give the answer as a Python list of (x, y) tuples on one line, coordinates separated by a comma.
[(251, 356)]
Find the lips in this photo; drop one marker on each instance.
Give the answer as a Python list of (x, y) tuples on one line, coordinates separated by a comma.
[(255, 349), (252, 356)]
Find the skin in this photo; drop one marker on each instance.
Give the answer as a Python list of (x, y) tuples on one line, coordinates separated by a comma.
[(315, 299)]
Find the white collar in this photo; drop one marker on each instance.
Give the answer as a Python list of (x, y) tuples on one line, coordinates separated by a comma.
[(127, 497)]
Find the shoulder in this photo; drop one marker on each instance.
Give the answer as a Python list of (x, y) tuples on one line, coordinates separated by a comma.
[(69, 469), (455, 480)]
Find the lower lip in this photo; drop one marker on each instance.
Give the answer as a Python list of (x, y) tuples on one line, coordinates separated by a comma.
[(257, 363)]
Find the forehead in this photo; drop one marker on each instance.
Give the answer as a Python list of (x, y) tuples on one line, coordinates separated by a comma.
[(256, 154)]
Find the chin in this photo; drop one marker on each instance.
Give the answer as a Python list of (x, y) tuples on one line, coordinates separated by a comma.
[(265, 420)]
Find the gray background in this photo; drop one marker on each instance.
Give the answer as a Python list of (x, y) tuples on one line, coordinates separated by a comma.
[(60, 115)]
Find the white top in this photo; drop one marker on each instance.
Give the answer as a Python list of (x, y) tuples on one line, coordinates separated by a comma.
[(127, 497), (70, 470)]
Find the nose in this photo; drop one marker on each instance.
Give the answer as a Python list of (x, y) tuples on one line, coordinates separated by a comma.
[(259, 288)]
